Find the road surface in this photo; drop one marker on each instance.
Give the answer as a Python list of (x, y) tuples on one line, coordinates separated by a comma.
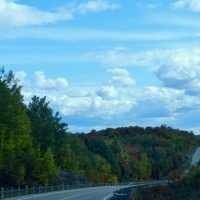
[(195, 157), (94, 193)]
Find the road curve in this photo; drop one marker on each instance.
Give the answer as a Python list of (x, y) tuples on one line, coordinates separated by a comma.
[(93, 193), (196, 157)]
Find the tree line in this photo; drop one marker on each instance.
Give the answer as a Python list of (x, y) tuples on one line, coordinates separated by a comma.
[(35, 145)]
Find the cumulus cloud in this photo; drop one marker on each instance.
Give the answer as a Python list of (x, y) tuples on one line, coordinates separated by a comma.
[(13, 14), (182, 70), (150, 106), (121, 77), (151, 109), (193, 5), (162, 104), (109, 108), (107, 92), (40, 81), (118, 72), (20, 75), (180, 77), (175, 68), (86, 108), (171, 98)]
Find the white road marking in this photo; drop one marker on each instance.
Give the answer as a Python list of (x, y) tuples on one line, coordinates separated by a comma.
[(107, 197)]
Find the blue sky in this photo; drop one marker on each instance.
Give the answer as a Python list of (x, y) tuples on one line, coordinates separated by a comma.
[(107, 63)]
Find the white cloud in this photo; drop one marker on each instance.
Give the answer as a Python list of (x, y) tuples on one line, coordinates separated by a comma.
[(180, 4), (96, 6), (89, 107), (160, 103), (121, 77), (20, 75), (40, 81), (79, 93), (117, 58), (107, 92), (150, 106), (107, 106), (116, 72), (124, 81), (176, 68), (13, 14), (152, 6), (181, 70), (16, 15), (193, 5)]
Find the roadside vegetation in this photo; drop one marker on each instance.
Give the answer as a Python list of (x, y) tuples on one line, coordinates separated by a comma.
[(35, 145), (187, 188)]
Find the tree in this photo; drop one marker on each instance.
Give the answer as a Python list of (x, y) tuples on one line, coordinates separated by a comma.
[(46, 171), (15, 130), (194, 177), (47, 129)]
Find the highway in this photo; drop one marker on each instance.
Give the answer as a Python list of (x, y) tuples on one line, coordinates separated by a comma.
[(94, 193), (91, 193), (195, 157)]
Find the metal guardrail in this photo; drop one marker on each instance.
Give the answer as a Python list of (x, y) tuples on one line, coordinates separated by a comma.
[(124, 193), (120, 196), (16, 192)]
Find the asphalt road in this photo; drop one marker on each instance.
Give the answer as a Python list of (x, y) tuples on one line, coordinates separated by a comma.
[(94, 193), (196, 157)]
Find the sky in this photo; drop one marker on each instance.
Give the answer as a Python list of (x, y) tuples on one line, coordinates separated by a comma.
[(107, 63)]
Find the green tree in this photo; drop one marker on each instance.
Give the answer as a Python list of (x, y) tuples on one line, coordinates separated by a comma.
[(47, 128), (15, 130), (46, 172), (193, 178)]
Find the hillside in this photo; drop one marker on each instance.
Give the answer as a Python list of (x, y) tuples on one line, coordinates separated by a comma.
[(136, 153), (36, 146)]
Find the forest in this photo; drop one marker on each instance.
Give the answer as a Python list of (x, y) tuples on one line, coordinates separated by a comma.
[(35, 145)]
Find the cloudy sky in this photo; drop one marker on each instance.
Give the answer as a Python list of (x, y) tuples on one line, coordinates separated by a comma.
[(107, 63)]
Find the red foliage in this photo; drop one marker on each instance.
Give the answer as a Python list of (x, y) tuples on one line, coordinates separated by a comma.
[(132, 151), (128, 146), (175, 177), (155, 191), (103, 177)]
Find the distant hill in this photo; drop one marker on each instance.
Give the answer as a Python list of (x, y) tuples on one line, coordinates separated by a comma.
[(136, 153)]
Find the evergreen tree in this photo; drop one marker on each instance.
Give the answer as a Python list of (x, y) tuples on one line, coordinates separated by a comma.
[(47, 129)]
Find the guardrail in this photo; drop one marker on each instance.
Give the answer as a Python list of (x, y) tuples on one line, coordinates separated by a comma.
[(15, 192), (120, 196), (124, 193)]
